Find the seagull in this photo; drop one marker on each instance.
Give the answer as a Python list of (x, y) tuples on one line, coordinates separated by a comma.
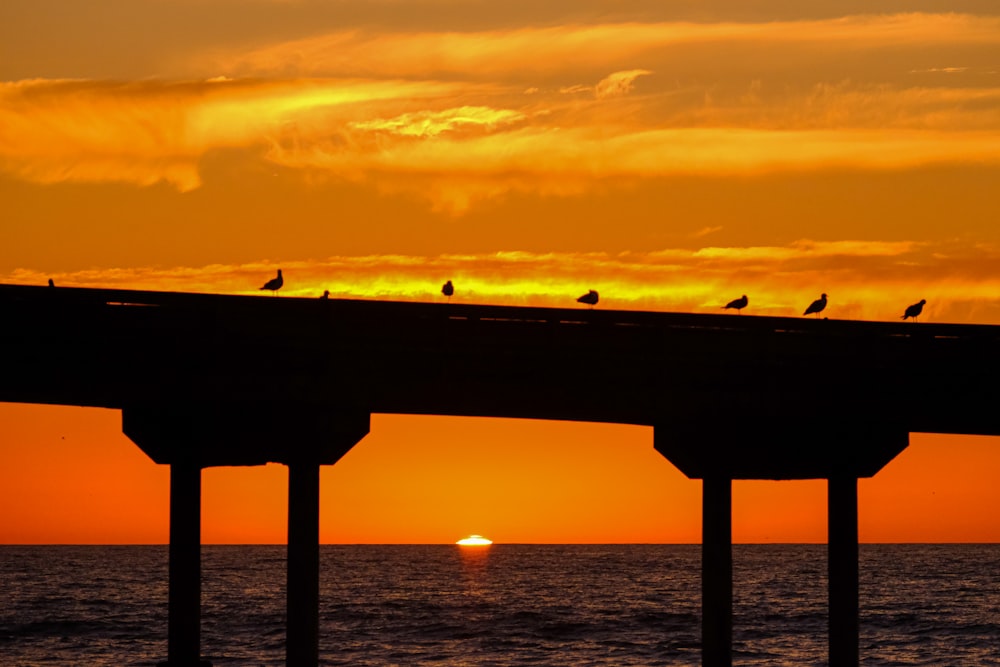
[(739, 304), (52, 283), (274, 284), (590, 298), (914, 310), (448, 289), (816, 306), (326, 294)]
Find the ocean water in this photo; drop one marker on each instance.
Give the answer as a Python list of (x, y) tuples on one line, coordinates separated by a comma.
[(508, 605)]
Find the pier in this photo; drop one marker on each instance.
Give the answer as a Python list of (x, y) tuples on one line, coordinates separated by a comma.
[(209, 380)]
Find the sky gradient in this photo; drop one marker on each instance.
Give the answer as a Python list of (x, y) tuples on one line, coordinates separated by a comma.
[(671, 155)]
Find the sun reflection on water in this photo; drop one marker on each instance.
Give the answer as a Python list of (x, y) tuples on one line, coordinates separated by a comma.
[(474, 553)]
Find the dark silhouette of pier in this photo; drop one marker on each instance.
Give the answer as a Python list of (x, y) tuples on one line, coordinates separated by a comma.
[(207, 380)]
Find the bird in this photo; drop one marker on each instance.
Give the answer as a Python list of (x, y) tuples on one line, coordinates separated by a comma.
[(52, 283), (816, 306), (739, 304), (448, 289), (274, 284), (590, 298), (326, 294), (914, 310)]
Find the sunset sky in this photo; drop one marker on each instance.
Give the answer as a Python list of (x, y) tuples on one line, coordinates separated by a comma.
[(671, 154)]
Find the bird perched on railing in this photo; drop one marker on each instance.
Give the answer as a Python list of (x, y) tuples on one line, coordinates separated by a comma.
[(448, 290), (591, 298), (816, 306), (914, 310), (274, 284), (739, 304)]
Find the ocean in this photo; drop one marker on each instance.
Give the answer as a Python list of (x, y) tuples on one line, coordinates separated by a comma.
[(503, 606)]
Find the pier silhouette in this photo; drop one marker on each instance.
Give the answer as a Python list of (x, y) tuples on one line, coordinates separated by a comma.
[(208, 380)]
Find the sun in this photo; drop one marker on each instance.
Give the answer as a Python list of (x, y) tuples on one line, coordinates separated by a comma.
[(474, 541)]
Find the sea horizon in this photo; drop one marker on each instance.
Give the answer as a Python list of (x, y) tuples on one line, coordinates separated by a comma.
[(510, 605), (417, 544)]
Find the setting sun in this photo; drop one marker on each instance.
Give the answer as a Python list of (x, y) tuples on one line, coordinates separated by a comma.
[(474, 541)]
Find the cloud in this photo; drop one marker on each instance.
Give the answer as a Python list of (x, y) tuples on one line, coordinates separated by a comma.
[(808, 249), (433, 123), (865, 279), (705, 231), (940, 70), (458, 118), (534, 51), (148, 132), (618, 83), (454, 173), (454, 155)]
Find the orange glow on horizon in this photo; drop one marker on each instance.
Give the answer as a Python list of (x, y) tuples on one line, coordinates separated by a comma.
[(72, 477), (958, 282)]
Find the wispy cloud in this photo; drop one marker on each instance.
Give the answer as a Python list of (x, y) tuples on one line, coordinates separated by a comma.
[(705, 231), (583, 47), (865, 279), (433, 123), (618, 83), (940, 70), (455, 119), (807, 249), (143, 133), (566, 161), (455, 155)]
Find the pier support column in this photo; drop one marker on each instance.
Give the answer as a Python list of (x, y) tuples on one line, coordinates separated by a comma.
[(184, 588), (302, 436), (758, 441), (302, 647), (842, 507), (717, 572)]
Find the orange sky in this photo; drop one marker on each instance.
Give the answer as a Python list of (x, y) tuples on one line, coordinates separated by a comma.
[(670, 155)]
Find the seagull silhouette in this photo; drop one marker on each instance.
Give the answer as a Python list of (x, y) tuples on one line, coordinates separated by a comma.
[(590, 298), (326, 294), (739, 304), (448, 289), (816, 306), (274, 284), (52, 283), (914, 310)]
